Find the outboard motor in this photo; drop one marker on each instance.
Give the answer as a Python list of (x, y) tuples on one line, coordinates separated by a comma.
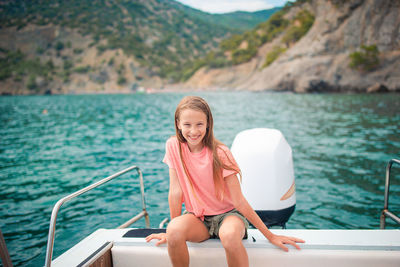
[(265, 159)]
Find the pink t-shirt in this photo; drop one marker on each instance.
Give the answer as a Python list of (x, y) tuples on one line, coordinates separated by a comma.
[(200, 168)]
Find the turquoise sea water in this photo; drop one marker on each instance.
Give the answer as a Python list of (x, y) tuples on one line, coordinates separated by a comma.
[(341, 144)]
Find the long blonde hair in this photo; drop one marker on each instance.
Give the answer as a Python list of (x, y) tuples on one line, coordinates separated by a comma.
[(199, 104)]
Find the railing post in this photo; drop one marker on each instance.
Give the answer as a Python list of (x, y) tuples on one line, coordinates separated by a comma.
[(383, 220), (146, 215), (385, 210)]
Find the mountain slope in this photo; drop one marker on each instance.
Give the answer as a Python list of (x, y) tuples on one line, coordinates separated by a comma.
[(152, 31), (352, 46), (82, 45)]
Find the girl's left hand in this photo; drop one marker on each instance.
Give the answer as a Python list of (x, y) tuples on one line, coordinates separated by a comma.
[(280, 240)]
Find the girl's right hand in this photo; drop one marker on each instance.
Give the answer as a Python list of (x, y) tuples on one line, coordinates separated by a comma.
[(162, 237)]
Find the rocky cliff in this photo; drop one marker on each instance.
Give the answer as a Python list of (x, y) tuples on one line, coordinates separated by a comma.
[(332, 57)]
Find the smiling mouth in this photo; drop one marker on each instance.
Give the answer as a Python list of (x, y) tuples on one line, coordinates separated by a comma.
[(194, 138)]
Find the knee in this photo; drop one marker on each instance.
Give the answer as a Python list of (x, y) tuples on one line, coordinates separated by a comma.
[(175, 234), (231, 239)]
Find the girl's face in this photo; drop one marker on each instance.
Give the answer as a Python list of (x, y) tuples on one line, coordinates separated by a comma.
[(193, 125)]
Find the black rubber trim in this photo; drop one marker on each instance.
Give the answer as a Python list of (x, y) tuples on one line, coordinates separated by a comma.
[(143, 232), (93, 254)]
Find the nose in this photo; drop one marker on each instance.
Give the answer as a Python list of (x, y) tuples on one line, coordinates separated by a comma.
[(194, 129)]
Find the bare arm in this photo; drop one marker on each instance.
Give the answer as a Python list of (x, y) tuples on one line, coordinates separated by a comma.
[(241, 204)]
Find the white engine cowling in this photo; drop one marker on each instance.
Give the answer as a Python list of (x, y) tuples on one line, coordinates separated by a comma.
[(265, 159)]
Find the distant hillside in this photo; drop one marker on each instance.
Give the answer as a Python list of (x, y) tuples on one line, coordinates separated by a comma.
[(61, 46), (244, 20), (237, 22)]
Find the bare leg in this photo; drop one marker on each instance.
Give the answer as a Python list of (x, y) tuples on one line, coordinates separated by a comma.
[(231, 234), (181, 229)]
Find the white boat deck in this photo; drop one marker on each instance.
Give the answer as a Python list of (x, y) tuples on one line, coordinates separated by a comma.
[(322, 248)]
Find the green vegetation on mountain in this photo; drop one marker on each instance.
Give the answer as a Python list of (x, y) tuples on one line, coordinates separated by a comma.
[(366, 59), (244, 47), (273, 54), (16, 65), (300, 26)]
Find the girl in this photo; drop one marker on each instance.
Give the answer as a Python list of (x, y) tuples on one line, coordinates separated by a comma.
[(203, 175)]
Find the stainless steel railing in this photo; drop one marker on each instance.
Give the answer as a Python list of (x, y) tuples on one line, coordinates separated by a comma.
[(163, 222), (385, 212), (52, 228)]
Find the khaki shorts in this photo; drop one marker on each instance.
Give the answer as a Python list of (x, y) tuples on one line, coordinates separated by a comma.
[(214, 222)]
